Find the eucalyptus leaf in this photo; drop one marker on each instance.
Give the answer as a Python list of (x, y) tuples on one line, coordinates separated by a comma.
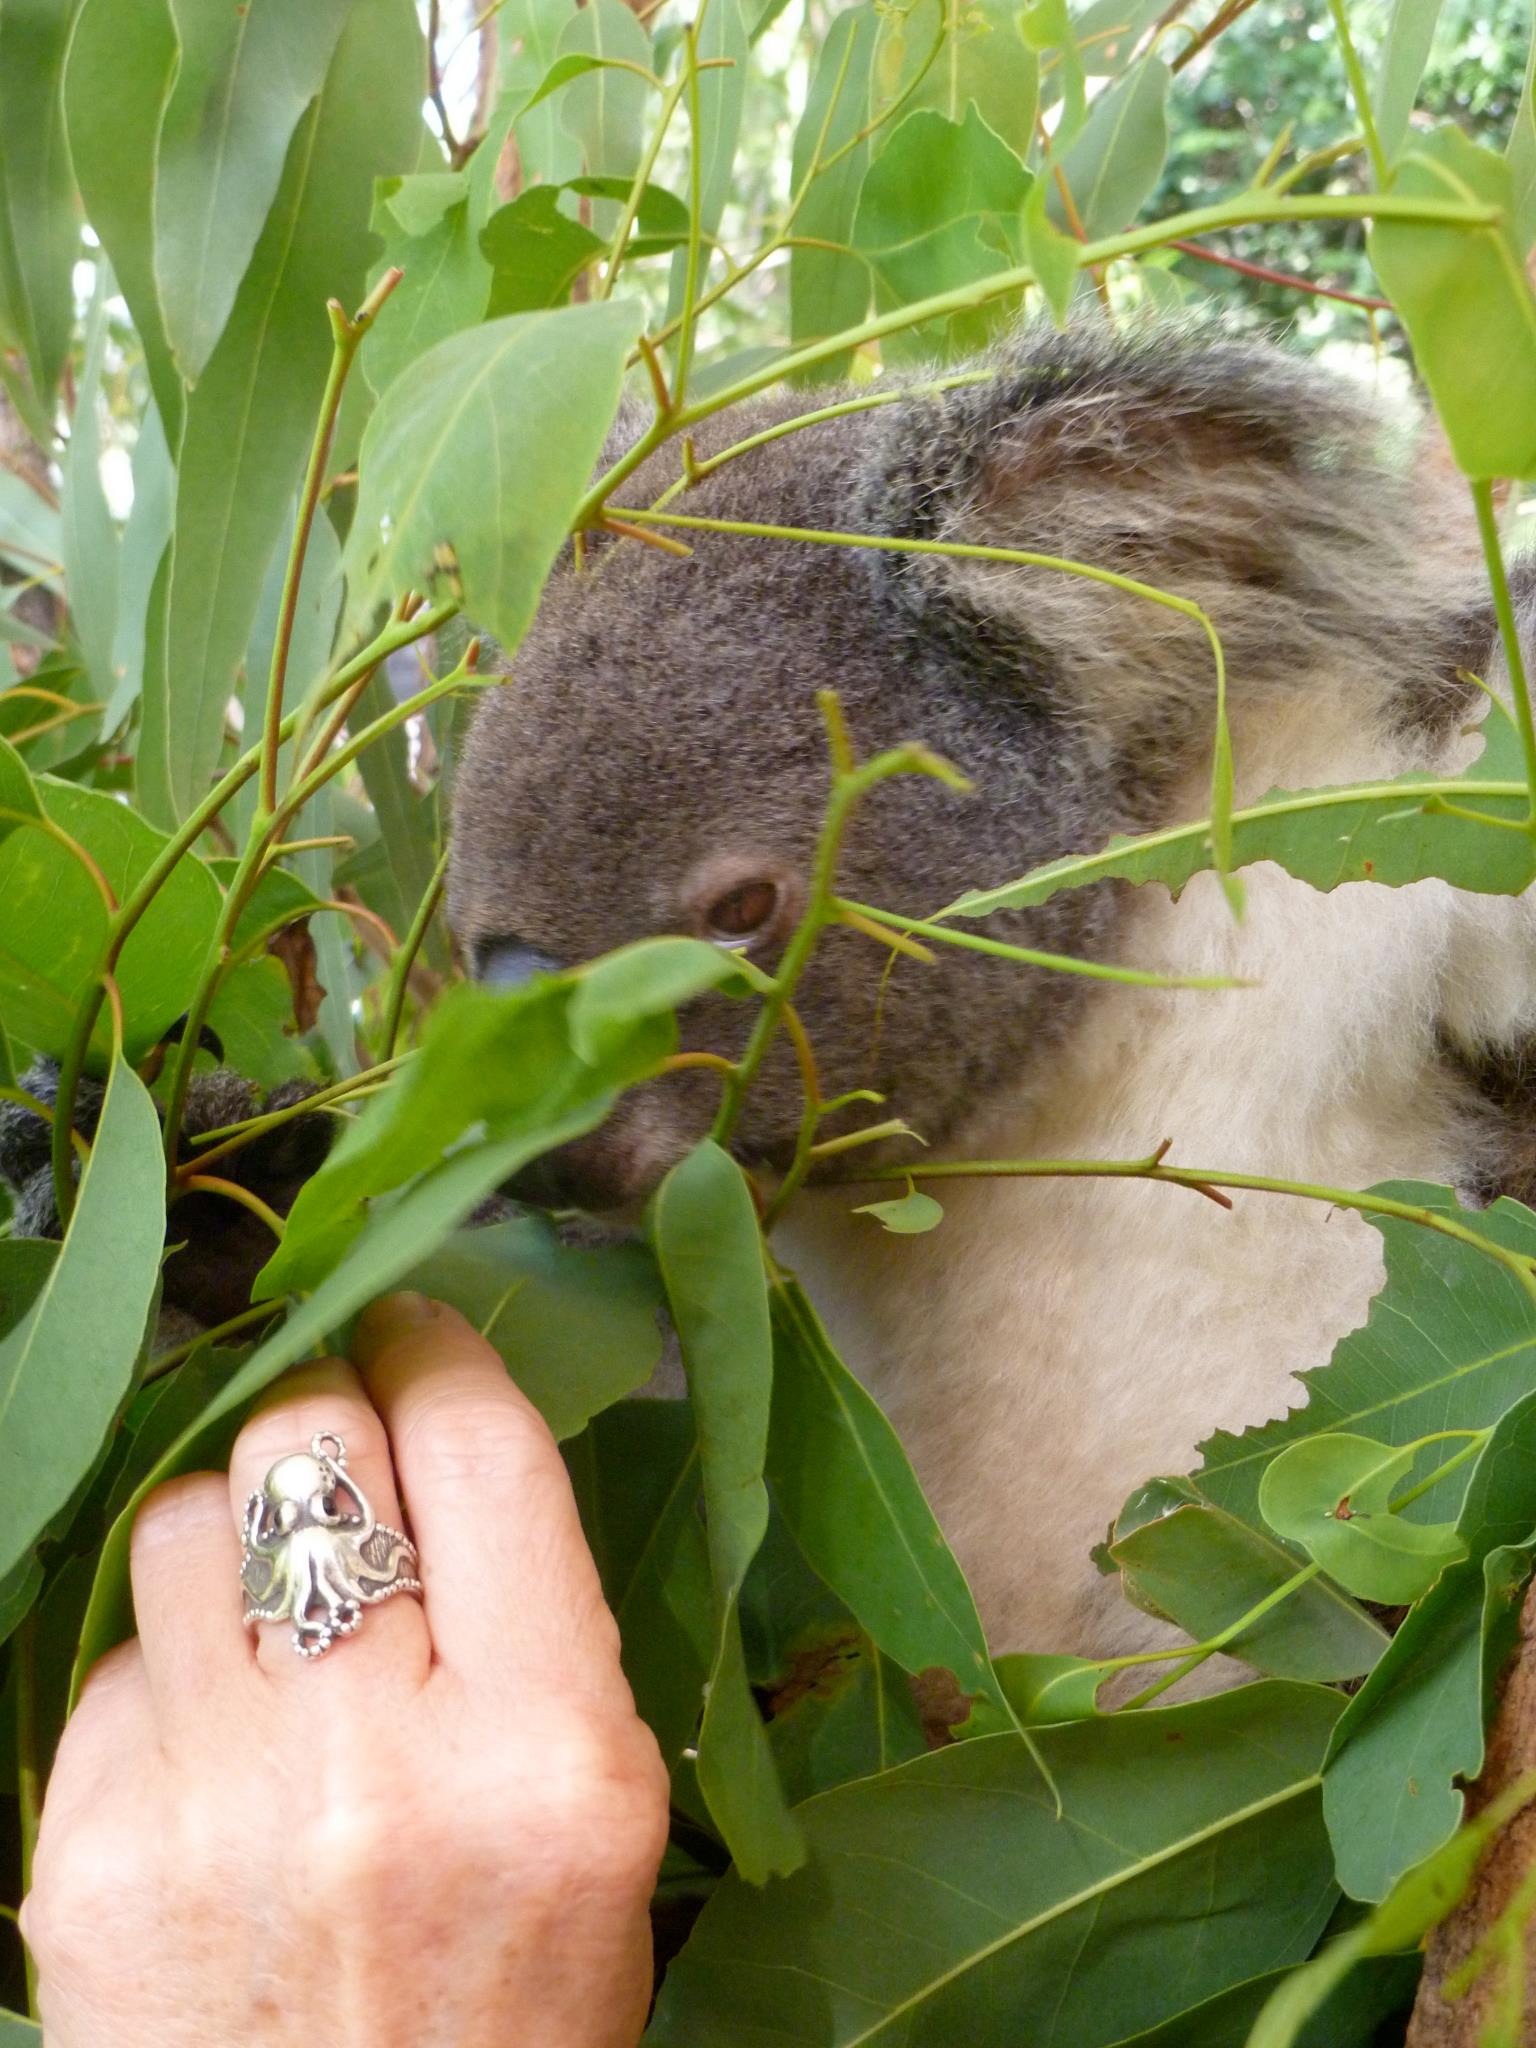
[(1405, 52), (66, 1367), (939, 209), (1114, 163), (40, 231), (447, 279), (486, 449), (1332, 1494), (535, 252), (244, 78), (1468, 306), (578, 1328), (946, 1901), (710, 1252), (909, 1215), (830, 289)]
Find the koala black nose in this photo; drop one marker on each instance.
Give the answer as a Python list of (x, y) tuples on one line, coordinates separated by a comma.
[(511, 962)]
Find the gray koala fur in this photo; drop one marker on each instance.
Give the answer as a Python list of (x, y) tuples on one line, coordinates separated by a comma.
[(659, 743)]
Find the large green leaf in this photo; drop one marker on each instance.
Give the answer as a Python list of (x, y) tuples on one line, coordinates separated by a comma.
[(145, 537), (1414, 1731), (447, 279), (984, 62), (244, 77), (710, 1251), (1448, 1344), (53, 922), (1466, 302), (66, 1367), (843, 1485), (1385, 832), (536, 252), (939, 209), (39, 227), (636, 1475), (121, 62), (578, 1329), (604, 109), (1333, 1495), (829, 287), (486, 450), (1521, 156), (15, 2032), (250, 420), (1114, 164), (946, 1902), (531, 32), (1200, 1567), (1404, 54)]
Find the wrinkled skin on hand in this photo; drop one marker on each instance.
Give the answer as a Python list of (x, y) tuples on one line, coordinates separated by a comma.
[(442, 1835)]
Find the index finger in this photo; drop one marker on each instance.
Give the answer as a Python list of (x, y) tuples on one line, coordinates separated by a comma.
[(511, 1589)]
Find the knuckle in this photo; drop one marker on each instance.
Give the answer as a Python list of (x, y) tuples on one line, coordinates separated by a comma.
[(454, 1441), (603, 1812)]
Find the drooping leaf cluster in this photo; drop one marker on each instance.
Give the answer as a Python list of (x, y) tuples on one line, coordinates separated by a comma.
[(242, 537)]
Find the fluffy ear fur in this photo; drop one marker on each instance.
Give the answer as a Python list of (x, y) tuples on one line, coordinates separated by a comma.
[(1221, 472)]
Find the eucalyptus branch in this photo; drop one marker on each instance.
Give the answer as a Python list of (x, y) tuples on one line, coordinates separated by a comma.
[(1028, 956), (346, 339), (688, 331), (641, 179), (1355, 71), (1245, 210), (1509, 634), (405, 959), (229, 1138), (232, 1191), (850, 784), (259, 1312), (1191, 1660), (1203, 1180)]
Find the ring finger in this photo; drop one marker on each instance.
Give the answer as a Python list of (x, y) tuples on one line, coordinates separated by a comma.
[(318, 1402)]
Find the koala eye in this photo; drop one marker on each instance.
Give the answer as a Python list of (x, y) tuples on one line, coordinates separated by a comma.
[(742, 912)]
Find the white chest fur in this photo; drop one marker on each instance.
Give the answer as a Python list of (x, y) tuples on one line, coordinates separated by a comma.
[(1055, 1342)]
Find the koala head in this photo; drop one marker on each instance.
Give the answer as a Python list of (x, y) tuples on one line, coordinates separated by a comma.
[(656, 761)]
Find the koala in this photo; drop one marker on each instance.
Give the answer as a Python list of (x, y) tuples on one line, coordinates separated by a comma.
[(657, 764)]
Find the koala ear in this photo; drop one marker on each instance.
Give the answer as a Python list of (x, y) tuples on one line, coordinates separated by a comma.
[(1277, 496)]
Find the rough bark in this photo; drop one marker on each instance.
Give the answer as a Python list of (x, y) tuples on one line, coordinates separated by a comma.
[(1438, 2022)]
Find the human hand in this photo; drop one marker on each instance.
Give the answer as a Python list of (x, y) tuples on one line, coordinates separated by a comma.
[(444, 1833)]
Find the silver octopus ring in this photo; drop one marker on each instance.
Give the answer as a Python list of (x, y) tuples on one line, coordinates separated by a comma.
[(314, 1553)]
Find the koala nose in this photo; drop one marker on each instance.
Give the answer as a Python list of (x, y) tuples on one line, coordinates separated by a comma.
[(511, 963)]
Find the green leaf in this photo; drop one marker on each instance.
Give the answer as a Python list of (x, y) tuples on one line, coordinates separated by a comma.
[(1044, 1689), (1048, 29), (1204, 1570), (604, 110), (1415, 1728), (244, 78), (1464, 297), (66, 1367), (15, 2032), (1521, 157), (1404, 54), (945, 1901), (938, 210), (18, 797), (531, 32), (984, 63), (843, 1485), (1332, 1495), (635, 1470), (1419, 1902), (117, 78), (638, 980), (1448, 1344), (252, 1017), (1383, 832), (447, 279), (39, 227), (829, 289), (722, 93), (1052, 255), (577, 1329), (1351, 2015), (404, 856), (53, 923), (487, 447), (1113, 166), (250, 420), (710, 1251), (908, 1216), (536, 252)]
